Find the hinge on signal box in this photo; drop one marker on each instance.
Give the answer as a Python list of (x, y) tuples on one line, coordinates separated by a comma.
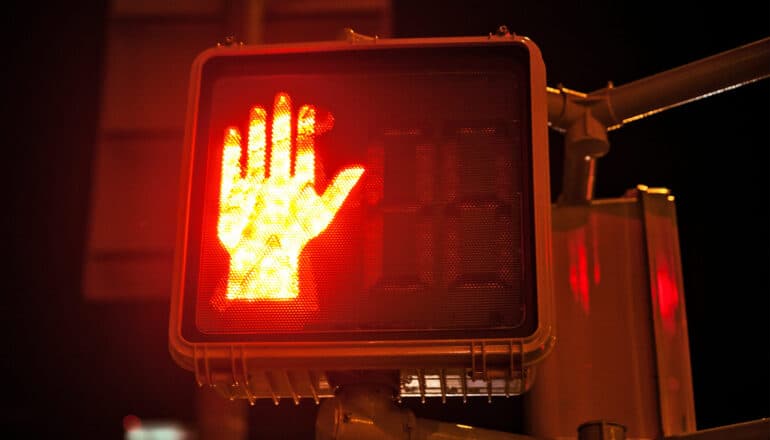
[(236, 379)]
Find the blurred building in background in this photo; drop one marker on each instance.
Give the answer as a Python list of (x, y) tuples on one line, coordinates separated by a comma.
[(149, 48)]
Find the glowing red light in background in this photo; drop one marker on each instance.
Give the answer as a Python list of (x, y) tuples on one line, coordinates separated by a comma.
[(578, 269), (131, 422), (668, 293)]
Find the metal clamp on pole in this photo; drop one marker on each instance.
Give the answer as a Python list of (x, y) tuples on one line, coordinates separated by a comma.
[(585, 140)]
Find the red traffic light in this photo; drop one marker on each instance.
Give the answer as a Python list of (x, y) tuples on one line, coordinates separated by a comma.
[(348, 206)]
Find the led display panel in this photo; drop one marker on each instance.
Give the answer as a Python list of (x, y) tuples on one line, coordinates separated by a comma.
[(361, 195)]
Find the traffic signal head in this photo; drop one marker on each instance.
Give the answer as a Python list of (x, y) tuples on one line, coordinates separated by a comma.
[(352, 206)]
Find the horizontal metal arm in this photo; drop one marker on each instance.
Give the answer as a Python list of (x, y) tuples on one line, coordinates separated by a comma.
[(614, 106), (586, 118)]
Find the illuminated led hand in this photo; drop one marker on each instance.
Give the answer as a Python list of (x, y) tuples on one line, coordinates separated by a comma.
[(265, 222)]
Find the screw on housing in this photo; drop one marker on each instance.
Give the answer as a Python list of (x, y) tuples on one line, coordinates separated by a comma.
[(502, 32), (230, 41)]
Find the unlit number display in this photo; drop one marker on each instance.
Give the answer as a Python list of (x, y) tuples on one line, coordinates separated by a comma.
[(443, 223)]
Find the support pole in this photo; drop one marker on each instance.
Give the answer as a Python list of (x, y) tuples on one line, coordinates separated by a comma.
[(219, 418)]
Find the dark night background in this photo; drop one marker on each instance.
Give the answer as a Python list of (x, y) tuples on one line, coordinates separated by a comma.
[(71, 367)]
